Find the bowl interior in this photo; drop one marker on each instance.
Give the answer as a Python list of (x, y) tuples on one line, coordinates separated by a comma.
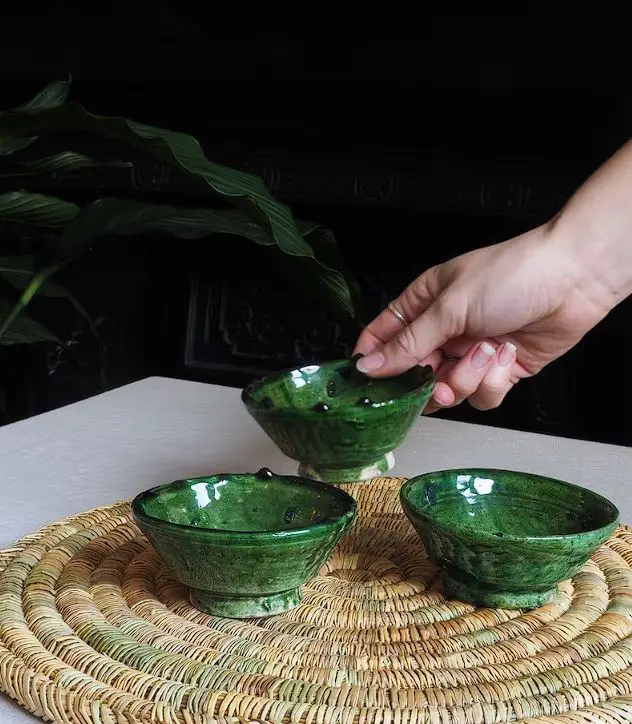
[(333, 386), (507, 504), (245, 503)]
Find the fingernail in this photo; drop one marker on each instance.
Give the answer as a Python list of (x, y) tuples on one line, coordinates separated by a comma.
[(371, 362), (442, 397), (483, 354), (507, 354)]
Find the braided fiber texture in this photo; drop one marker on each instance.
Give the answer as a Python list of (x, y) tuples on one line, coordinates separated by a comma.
[(95, 630)]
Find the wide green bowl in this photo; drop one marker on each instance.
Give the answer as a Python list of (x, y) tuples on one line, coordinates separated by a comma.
[(245, 543), (340, 425), (506, 539)]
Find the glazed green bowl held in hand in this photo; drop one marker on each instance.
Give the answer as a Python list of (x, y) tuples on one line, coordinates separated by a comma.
[(340, 425), (506, 539), (246, 543)]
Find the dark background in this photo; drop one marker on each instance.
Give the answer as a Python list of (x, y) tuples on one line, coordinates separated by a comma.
[(413, 144)]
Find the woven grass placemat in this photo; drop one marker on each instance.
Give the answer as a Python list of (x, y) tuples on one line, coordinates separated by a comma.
[(94, 630)]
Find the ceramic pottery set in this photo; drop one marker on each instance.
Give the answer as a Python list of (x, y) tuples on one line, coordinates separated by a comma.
[(246, 543)]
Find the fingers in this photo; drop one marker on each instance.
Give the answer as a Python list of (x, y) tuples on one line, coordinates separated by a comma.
[(415, 299), (483, 377), (410, 344), (442, 396), (497, 381), (465, 376)]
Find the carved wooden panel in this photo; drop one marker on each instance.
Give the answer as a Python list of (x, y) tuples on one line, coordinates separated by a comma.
[(239, 329)]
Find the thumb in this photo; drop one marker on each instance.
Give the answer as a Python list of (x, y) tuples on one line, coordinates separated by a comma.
[(432, 329)]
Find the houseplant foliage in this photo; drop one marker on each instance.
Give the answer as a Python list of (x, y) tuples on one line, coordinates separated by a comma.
[(238, 205)]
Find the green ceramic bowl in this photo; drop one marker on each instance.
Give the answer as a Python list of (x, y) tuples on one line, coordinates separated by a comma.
[(244, 543), (340, 425), (506, 539)]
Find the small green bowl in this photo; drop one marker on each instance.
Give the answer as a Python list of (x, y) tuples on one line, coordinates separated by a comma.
[(244, 543), (506, 539), (340, 425)]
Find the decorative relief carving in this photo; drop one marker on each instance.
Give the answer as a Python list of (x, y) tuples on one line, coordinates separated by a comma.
[(376, 187), (431, 186), (259, 323), (150, 175), (424, 184), (258, 326)]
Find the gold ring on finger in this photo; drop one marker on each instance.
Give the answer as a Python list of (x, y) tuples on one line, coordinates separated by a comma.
[(399, 315)]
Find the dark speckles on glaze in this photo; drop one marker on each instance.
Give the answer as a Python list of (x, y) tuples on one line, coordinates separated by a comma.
[(290, 514), (264, 474), (341, 425)]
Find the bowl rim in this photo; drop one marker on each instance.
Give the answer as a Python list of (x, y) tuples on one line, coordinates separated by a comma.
[(348, 515), (247, 398), (487, 536)]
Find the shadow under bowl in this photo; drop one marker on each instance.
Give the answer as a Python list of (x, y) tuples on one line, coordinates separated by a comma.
[(340, 425), (506, 539), (244, 543)]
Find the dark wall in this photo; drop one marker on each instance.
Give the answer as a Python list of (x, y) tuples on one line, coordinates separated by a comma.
[(412, 146)]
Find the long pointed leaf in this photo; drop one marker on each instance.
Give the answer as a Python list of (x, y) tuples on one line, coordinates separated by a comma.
[(9, 319), (71, 161), (184, 151), (18, 271), (23, 207), (23, 329), (178, 149), (122, 217), (54, 94), (323, 242)]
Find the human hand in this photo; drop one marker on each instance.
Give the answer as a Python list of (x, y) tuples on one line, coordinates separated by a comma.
[(486, 319)]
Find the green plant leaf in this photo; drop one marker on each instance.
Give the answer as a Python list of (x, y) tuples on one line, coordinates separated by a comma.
[(18, 271), (123, 217), (71, 161), (53, 95), (181, 150), (323, 242), (23, 329), (49, 212), (8, 320)]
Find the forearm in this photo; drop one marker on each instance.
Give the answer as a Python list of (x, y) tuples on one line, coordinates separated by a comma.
[(595, 228)]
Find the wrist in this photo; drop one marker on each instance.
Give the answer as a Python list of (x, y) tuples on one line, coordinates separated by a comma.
[(594, 231), (598, 258)]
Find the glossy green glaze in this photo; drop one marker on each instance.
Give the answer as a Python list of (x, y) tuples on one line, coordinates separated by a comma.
[(339, 424), (506, 539), (244, 543)]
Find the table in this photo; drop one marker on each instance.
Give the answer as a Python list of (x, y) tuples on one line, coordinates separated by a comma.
[(114, 445)]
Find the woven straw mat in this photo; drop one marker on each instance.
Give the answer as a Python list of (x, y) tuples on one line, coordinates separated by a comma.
[(94, 630)]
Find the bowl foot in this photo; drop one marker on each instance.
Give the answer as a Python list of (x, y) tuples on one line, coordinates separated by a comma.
[(217, 604), (360, 474), (460, 586)]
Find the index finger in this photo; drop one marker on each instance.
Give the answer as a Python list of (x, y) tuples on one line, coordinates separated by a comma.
[(413, 301)]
